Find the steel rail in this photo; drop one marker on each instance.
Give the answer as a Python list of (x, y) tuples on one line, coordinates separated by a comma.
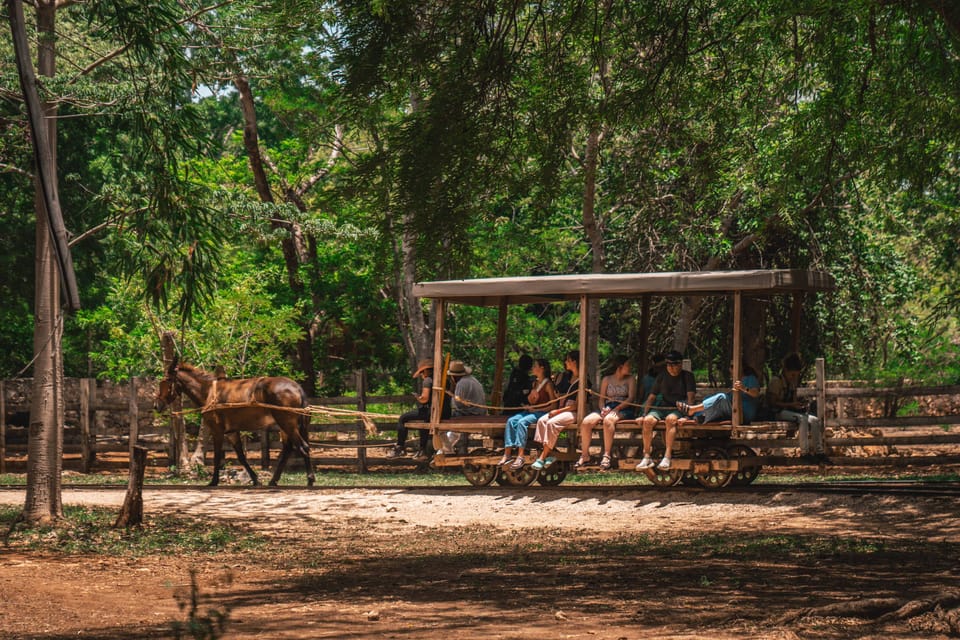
[(854, 487)]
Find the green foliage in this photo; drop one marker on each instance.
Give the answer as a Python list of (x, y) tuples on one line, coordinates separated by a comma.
[(733, 135), (243, 330)]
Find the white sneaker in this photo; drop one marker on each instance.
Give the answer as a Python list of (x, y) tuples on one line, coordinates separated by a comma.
[(664, 464), (646, 463)]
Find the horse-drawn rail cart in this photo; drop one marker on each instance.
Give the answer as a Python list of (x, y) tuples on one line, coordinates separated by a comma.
[(711, 455)]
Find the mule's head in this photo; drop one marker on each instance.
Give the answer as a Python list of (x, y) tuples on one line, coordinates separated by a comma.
[(169, 388)]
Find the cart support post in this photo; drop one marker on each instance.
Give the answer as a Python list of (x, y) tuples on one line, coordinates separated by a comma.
[(737, 418), (436, 406)]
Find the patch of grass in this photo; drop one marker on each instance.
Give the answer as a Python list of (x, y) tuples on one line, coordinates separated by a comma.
[(118, 478), (840, 476), (338, 478), (621, 477), (89, 531)]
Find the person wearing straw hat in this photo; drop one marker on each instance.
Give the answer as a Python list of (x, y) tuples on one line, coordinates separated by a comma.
[(424, 371), (469, 399)]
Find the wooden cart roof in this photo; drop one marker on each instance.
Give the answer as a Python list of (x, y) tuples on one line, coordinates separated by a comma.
[(540, 289)]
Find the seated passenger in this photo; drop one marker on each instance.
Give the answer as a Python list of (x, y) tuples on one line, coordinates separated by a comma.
[(782, 397), (469, 399), (540, 400), (617, 391), (424, 399), (672, 386), (550, 424), (719, 407)]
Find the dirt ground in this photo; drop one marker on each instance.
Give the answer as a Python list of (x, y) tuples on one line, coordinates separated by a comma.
[(497, 562)]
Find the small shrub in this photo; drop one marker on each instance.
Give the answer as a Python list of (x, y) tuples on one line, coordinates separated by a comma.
[(199, 626)]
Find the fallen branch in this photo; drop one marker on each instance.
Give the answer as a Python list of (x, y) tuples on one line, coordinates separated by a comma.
[(952, 618), (946, 600), (864, 608), (885, 609)]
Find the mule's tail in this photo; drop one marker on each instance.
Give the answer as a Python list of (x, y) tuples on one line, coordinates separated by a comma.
[(303, 425)]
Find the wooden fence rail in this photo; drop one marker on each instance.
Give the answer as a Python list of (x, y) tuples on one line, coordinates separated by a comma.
[(126, 419)]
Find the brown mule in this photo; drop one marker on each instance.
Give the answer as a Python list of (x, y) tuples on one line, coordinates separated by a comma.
[(278, 394)]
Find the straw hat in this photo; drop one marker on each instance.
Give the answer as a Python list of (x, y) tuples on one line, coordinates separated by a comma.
[(457, 368), (423, 364)]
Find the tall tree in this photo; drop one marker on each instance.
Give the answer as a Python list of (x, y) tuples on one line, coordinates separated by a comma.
[(45, 440), (135, 37)]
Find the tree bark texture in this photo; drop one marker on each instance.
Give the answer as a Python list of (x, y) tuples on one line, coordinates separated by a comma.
[(131, 513), (43, 131), (595, 238), (179, 452), (419, 330), (45, 439)]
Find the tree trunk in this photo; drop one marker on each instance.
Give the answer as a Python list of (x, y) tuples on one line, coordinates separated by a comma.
[(419, 331), (45, 444), (690, 306), (178, 451), (595, 238), (131, 513), (591, 225), (294, 245)]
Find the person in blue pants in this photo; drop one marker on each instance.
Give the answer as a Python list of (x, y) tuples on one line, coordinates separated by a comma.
[(541, 399)]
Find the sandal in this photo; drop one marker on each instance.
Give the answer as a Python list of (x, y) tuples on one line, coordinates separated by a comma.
[(504, 461), (684, 407), (581, 463), (517, 464), (606, 463)]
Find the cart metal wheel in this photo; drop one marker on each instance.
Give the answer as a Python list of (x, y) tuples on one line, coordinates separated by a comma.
[(745, 475), (480, 475), (663, 478), (687, 479), (715, 478), (659, 477), (508, 477), (554, 474)]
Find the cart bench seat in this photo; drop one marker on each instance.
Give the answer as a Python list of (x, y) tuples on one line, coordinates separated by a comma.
[(494, 426)]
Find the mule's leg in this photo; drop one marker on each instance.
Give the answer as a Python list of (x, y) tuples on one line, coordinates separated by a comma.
[(217, 433), (282, 460), (304, 447), (237, 443)]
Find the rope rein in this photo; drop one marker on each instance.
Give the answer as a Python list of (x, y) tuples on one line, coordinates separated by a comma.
[(332, 412)]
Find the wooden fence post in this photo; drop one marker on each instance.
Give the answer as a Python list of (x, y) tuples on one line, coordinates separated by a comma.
[(819, 443), (361, 377), (3, 428), (88, 450), (134, 410)]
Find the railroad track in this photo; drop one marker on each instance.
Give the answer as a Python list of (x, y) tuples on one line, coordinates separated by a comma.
[(903, 487), (851, 487)]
